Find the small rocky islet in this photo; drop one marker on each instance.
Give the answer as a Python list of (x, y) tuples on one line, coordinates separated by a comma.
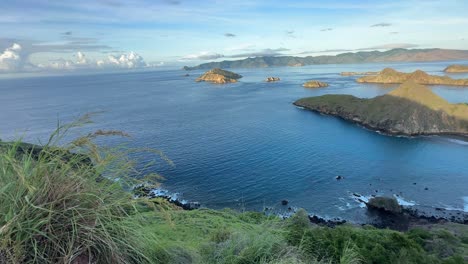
[(391, 76), (314, 84), (219, 76), (272, 79)]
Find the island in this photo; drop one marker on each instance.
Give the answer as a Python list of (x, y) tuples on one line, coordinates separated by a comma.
[(220, 76), (411, 109), (358, 73), (272, 79), (391, 76), (314, 84), (456, 69), (394, 55)]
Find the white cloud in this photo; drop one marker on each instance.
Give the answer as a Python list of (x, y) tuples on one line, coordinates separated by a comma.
[(59, 64), (127, 61), (11, 59), (130, 61), (204, 55), (81, 59)]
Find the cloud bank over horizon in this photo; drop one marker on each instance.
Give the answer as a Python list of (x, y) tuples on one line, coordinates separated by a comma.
[(11, 60), (102, 32)]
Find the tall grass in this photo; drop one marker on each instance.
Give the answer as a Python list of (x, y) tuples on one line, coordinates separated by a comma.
[(67, 204)]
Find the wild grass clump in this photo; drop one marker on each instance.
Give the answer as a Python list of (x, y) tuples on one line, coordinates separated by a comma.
[(350, 244), (67, 204), (245, 247)]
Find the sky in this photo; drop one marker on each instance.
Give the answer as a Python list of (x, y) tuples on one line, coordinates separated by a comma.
[(63, 35)]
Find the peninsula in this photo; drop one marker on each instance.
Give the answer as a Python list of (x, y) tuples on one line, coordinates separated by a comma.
[(456, 68), (411, 109), (394, 55), (220, 76), (389, 76)]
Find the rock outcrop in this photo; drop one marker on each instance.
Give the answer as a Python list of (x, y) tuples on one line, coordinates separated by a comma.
[(217, 75), (314, 84), (456, 69), (411, 109), (272, 79), (389, 76), (387, 204)]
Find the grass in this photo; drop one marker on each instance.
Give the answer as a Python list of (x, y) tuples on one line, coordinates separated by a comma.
[(58, 208), (69, 205)]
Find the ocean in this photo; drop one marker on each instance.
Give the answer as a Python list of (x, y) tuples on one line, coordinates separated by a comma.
[(245, 145)]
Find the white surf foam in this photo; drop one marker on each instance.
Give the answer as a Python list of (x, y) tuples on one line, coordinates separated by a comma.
[(404, 202), (465, 206)]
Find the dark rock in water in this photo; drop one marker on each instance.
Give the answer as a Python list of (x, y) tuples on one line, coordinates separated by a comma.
[(426, 189), (339, 177), (284, 202), (186, 75), (414, 183), (386, 204), (321, 221)]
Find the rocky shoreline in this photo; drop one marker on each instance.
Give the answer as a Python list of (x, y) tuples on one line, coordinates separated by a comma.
[(378, 129), (409, 216)]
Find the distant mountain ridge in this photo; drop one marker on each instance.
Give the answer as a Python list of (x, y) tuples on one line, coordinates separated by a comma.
[(394, 55)]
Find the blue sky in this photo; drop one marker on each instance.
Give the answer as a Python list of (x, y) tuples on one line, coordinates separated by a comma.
[(50, 33)]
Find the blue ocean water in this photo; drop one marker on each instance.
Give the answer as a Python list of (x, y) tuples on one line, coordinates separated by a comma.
[(245, 145)]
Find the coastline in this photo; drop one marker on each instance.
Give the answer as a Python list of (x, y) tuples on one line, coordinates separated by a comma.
[(377, 129), (411, 215)]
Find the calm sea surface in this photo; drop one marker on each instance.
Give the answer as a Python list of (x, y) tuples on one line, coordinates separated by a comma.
[(245, 145)]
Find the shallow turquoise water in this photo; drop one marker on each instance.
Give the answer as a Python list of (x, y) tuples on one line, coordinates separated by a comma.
[(245, 144)]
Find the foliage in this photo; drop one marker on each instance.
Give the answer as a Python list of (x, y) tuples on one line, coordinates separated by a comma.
[(67, 204)]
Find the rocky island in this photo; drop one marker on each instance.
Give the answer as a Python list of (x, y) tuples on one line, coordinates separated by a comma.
[(272, 79), (314, 84), (391, 76), (220, 76), (457, 69), (411, 109)]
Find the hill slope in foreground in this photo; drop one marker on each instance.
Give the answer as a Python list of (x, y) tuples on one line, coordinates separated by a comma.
[(56, 207), (411, 109), (389, 75), (394, 55)]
